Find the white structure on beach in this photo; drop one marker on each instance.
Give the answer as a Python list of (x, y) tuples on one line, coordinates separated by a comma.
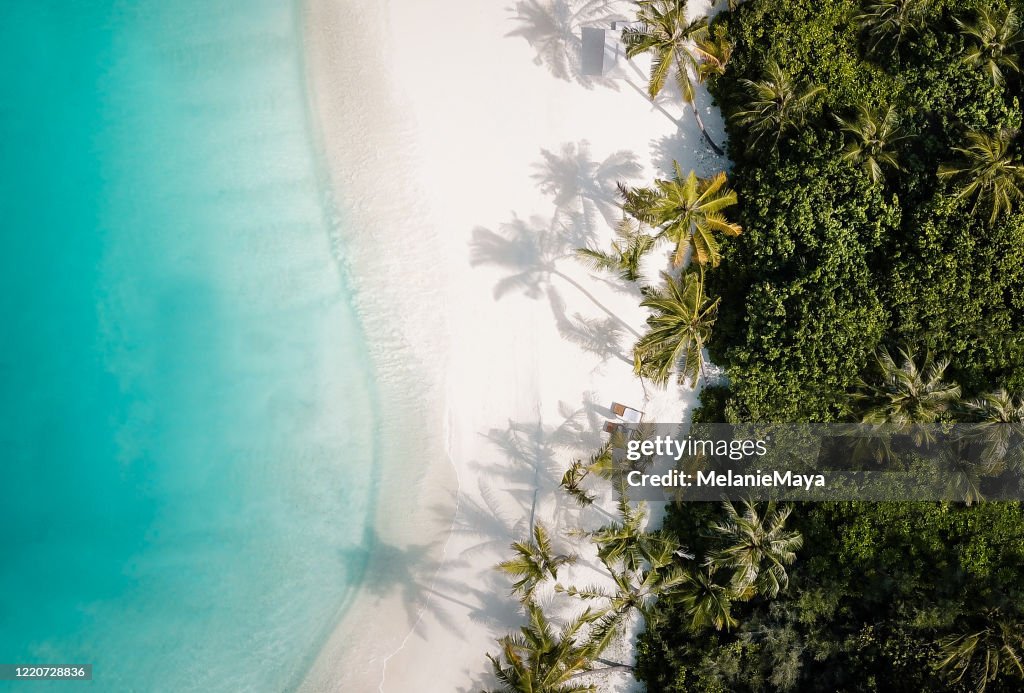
[(604, 53)]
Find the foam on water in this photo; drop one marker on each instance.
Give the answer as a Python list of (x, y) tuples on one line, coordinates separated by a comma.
[(187, 423)]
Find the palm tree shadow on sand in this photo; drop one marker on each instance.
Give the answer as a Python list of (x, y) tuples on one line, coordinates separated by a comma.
[(602, 337), (579, 185), (553, 29), (413, 574), (539, 451)]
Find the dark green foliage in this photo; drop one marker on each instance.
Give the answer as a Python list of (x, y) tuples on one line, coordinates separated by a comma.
[(833, 264), (831, 268), (875, 587)]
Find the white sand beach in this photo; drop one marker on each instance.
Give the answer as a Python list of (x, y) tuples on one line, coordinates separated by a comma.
[(469, 157)]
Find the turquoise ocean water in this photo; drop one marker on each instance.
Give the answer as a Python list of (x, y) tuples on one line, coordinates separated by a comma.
[(186, 413)]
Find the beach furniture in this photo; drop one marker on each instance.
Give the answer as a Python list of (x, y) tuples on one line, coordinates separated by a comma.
[(603, 54), (628, 415), (611, 427)]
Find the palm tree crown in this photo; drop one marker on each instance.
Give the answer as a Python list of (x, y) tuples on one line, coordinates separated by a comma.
[(995, 39), (890, 21), (906, 394), (758, 547), (679, 328), (706, 601), (628, 249), (679, 48), (688, 210), (871, 136), (534, 562), (996, 649), (672, 40), (1000, 428), (989, 171), (540, 660), (776, 104)]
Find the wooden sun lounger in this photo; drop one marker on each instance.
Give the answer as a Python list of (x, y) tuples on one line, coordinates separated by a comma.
[(627, 414)]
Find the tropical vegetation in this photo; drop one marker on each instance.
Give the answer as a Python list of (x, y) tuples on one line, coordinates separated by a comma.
[(879, 278), (862, 261)]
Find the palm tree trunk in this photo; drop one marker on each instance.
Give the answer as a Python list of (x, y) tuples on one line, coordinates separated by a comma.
[(613, 665), (703, 130), (609, 667)]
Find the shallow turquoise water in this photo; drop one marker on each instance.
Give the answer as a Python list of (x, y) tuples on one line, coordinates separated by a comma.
[(186, 412)]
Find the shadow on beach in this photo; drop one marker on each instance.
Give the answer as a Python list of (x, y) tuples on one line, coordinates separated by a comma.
[(553, 29)]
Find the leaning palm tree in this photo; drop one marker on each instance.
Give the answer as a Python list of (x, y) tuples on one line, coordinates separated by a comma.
[(535, 561), (679, 49), (990, 171), (678, 329), (540, 660), (888, 22), (706, 601), (906, 394), (627, 251), (687, 210), (757, 548), (870, 138), (985, 654), (995, 42), (776, 104)]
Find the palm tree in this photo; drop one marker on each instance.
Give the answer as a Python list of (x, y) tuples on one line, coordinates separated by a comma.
[(627, 251), (679, 48), (540, 660), (705, 601), (1000, 428), (996, 42), (906, 394), (776, 104), (891, 20), (679, 328), (534, 562), (688, 210), (634, 592), (996, 649), (871, 136), (758, 547), (602, 463), (715, 51), (622, 541), (990, 171)]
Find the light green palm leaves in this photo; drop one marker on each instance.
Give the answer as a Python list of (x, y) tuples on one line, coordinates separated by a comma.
[(541, 659), (977, 658), (906, 393), (688, 211), (673, 42), (705, 601), (870, 137), (776, 104), (680, 324), (1000, 429), (681, 50), (534, 562), (643, 567), (989, 170), (757, 547), (888, 23), (627, 251), (994, 42)]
